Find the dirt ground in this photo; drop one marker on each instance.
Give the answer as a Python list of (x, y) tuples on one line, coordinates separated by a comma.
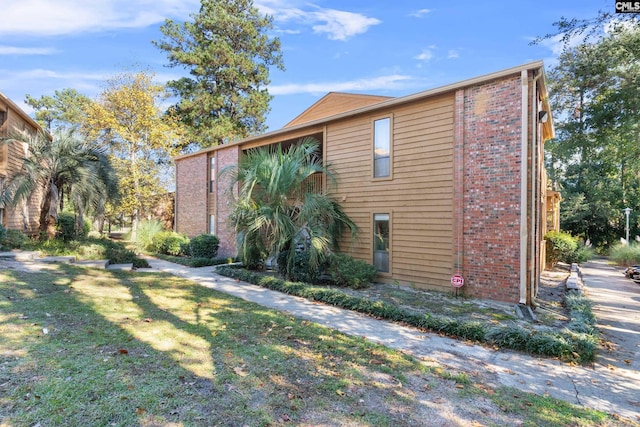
[(550, 310)]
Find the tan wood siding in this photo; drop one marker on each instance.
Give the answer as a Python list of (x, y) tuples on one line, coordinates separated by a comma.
[(419, 194), (23, 217)]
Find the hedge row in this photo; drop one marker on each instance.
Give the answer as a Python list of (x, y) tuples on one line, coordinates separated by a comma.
[(194, 261), (568, 345)]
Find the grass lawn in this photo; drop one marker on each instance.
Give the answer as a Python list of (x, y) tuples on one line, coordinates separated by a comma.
[(83, 347)]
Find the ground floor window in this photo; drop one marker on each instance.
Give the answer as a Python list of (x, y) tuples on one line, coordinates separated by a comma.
[(1, 205), (381, 242), (212, 224)]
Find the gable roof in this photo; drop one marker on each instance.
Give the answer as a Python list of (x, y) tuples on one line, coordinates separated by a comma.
[(335, 103), (292, 130), (14, 107)]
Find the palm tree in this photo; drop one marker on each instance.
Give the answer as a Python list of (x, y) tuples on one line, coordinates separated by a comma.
[(276, 208), (63, 167)]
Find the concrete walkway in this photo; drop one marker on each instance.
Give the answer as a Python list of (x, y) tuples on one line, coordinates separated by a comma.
[(610, 386)]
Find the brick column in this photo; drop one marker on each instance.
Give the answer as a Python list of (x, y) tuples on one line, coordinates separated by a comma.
[(458, 184), (225, 198)]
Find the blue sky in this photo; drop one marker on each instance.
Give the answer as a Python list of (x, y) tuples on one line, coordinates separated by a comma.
[(390, 48)]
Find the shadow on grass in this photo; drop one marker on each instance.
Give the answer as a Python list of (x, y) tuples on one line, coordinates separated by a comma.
[(150, 349), (126, 349)]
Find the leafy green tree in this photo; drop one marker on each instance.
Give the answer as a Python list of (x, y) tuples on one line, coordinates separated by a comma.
[(278, 210), (63, 168), (595, 158), (64, 109), (228, 53), (570, 29), (140, 137)]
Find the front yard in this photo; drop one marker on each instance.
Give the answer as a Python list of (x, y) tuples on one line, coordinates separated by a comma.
[(93, 347)]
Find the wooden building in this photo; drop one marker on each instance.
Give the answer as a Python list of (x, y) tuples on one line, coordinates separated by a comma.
[(24, 217), (444, 182)]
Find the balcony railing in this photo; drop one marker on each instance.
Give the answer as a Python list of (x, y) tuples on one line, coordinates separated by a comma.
[(313, 184)]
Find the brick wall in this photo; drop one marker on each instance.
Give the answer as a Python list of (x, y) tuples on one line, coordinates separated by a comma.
[(491, 198), (225, 157), (191, 195)]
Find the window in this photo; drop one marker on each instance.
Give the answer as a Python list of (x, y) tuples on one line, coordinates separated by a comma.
[(212, 224), (212, 174), (381, 242), (382, 148), (3, 119), (1, 205)]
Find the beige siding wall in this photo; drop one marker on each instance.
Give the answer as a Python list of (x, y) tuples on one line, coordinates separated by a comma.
[(419, 195), (24, 217)]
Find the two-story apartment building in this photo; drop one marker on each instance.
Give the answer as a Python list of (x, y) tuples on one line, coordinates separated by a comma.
[(444, 182), (24, 217)]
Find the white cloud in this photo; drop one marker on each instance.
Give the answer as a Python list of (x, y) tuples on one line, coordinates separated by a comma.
[(453, 54), (426, 55), (60, 17), (337, 24), (47, 18), (42, 81), (394, 81), (420, 13), (14, 50), (340, 25)]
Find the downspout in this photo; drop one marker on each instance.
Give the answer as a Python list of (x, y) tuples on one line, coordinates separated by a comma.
[(175, 202), (535, 191), (524, 80), (524, 174)]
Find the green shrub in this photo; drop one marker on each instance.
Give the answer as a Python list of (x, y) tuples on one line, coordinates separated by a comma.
[(582, 319), (584, 254), (14, 239), (301, 270), (204, 246), (169, 243), (626, 254), (560, 247), (195, 262), (348, 271), (3, 236), (253, 257), (146, 231), (513, 336), (66, 227)]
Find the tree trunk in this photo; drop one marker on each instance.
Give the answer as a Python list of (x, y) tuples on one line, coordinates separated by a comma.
[(49, 212), (79, 225), (136, 186)]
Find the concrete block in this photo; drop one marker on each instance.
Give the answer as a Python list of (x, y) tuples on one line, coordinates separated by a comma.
[(573, 282), (20, 255), (57, 259), (127, 267), (99, 263)]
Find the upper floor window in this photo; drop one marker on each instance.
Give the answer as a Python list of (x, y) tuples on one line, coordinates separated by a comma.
[(382, 148), (212, 174)]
